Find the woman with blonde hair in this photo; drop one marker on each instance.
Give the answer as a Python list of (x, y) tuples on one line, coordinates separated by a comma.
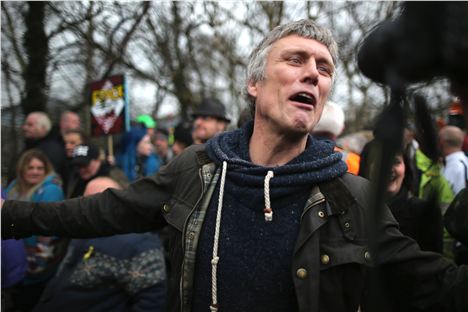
[(36, 181)]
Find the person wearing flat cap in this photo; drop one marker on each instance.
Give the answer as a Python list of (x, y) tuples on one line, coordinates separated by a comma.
[(88, 165), (209, 119)]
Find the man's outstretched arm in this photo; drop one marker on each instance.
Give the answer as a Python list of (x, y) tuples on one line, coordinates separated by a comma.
[(111, 212)]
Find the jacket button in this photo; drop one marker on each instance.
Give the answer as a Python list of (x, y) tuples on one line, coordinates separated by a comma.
[(166, 208), (347, 225), (325, 259), (191, 235), (367, 256), (321, 214), (301, 273)]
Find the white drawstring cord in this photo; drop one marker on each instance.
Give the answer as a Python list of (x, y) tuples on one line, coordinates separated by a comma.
[(268, 211), (214, 261)]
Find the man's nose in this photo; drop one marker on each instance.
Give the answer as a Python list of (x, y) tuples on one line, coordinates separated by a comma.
[(198, 121), (310, 74)]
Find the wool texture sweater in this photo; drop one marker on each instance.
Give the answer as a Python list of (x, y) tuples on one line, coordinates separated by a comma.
[(255, 255)]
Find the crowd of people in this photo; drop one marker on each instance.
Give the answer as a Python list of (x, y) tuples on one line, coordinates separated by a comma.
[(63, 162), (271, 216)]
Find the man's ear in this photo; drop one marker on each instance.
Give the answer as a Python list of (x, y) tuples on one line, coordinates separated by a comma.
[(252, 88)]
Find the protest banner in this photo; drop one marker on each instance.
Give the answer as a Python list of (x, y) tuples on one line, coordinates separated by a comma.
[(109, 106)]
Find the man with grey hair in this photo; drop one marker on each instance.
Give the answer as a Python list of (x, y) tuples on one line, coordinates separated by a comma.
[(265, 217), (37, 134)]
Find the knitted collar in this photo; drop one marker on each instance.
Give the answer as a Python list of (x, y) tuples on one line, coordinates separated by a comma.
[(318, 162)]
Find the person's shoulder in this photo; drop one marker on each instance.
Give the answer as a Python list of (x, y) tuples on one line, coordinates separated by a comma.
[(358, 186), (194, 148), (52, 141), (194, 155), (52, 181), (49, 192), (354, 181), (10, 187)]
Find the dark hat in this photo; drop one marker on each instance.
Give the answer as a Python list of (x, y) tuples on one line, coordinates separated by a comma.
[(211, 107), (83, 154)]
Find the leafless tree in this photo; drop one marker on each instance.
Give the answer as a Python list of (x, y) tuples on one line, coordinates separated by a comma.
[(184, 50)]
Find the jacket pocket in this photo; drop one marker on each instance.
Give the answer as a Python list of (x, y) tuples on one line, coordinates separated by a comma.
[(338, 252), (176, 212), (344, 267)]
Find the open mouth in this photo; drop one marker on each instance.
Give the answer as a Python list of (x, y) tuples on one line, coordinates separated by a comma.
[(303, 97)]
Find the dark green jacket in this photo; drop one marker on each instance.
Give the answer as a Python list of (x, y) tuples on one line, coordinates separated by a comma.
[(331, 261)]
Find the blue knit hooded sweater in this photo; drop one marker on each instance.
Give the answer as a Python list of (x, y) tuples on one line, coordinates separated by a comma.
[(254, 269)]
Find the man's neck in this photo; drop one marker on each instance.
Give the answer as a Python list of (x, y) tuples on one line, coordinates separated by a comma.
[(450, 150), (270, 149)]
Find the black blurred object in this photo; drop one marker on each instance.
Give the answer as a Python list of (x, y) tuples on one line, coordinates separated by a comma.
[(183, 134), (428, 39), (456, 222), (211, 107), (456, 120), (426, 129), (456, 217)]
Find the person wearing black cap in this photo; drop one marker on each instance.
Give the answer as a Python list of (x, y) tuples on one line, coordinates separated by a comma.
[(88, 165), (209, 119)]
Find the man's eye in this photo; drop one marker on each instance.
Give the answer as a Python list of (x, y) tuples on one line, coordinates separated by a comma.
[(295, 60), (325, 70)]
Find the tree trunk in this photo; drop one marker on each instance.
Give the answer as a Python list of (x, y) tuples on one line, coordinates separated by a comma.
[(37, 47)]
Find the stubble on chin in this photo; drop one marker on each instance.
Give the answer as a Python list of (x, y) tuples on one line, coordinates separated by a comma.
[(302, 124)]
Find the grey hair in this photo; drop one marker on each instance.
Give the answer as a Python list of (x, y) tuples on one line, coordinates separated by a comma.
[(304, 28), (43, 120)]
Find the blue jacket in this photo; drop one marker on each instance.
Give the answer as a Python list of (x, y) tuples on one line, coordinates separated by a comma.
[(128, 160), (13, 262), (49, 190)]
